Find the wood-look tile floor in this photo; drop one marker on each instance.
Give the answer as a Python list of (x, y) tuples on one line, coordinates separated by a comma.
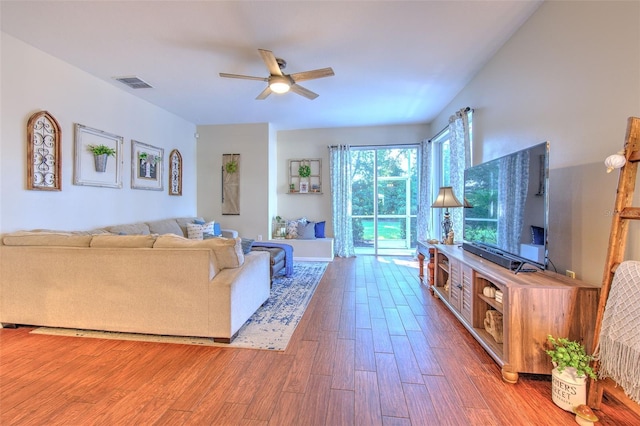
[(373, 348)]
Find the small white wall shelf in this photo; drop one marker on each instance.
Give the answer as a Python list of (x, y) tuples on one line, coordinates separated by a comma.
[(311, 184)]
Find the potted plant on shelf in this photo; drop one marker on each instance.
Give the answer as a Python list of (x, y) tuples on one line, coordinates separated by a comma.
[(569, 375), (100, 154)]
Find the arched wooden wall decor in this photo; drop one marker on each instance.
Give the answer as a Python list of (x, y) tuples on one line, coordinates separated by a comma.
[(175, 173), (44, 158)]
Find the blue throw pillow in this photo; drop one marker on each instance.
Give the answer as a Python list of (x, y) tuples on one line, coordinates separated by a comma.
[(246, 245), (319, 229)]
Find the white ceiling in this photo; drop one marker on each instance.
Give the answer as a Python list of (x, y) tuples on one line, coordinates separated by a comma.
[(395, 62)]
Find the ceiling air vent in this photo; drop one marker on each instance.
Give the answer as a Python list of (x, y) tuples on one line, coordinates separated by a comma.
[(134, 82)]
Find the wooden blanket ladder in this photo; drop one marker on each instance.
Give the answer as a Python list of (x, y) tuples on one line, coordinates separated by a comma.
[(623, 213)]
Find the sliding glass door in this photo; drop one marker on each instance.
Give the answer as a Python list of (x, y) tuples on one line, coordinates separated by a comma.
[(384, 199)]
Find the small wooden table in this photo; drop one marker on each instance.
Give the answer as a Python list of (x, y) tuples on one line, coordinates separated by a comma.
[(426, 250)]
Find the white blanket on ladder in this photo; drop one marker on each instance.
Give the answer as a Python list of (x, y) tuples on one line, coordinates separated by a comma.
[(619, 349)]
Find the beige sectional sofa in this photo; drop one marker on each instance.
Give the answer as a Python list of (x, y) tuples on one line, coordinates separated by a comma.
[(140, 278)]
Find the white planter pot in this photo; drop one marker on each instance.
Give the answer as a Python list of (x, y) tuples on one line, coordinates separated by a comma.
[(567, 390)]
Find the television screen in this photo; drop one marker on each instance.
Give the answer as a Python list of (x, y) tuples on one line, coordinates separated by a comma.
[(508, 200)]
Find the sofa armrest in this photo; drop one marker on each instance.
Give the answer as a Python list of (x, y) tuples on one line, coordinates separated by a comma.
[(229, 233)]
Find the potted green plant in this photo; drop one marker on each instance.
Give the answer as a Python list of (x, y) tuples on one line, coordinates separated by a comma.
[(152, 159), (147, 162), (572, 366), (100, 154)]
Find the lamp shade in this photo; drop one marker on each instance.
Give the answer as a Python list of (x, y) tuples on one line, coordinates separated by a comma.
[(446, 198)]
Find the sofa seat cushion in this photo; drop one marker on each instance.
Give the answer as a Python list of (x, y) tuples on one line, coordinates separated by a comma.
[(123, 241), (166, 226), (130, 229), (228, 252), (61, 239)]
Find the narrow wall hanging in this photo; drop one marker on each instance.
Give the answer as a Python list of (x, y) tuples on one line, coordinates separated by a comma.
[(175, 173), (99, 158), (231, 184), (44, 156)]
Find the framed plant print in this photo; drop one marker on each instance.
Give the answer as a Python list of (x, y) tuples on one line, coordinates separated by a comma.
[(146, 166), (175, 173), (44, 156), (98, 158)]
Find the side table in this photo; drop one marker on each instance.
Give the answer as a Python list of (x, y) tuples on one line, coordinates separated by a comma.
[(426, 249)]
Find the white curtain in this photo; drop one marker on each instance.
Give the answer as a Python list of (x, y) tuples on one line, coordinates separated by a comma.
[(460, 147), (340, 167), (512, 191), (426, 191)]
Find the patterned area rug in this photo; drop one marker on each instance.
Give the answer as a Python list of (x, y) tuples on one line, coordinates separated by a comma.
[(270, 327)]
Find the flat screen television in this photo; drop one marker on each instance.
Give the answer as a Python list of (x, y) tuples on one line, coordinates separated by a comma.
[(507, 221)]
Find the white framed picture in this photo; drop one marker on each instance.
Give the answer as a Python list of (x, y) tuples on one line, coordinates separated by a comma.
[(90, 145), (304, 187)]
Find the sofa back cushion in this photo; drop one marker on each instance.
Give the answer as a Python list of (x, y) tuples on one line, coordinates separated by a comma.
[(166, 226), (61, 239), (123, 241), (130, 229), (228, 252)]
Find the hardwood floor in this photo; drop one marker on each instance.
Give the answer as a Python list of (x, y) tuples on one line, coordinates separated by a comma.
[(373, 348)]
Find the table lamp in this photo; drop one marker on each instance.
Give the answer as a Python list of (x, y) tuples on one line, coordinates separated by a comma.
[(446, 199)]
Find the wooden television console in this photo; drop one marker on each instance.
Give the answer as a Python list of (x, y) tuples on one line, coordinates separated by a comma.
[(534, 305)]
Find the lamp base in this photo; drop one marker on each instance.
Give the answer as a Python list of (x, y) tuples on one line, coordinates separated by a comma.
[(447, 228)]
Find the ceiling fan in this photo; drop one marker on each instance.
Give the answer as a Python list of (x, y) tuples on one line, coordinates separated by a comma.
[(280, 82)]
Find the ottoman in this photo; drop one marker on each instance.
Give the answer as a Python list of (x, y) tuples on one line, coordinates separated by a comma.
[(277, 258)]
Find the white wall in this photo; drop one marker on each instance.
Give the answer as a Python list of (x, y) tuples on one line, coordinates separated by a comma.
[(313, 143), (570, 75), (33, 81), (252, 142)]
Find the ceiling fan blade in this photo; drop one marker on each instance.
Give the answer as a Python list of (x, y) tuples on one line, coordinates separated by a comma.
[(243, 77), (266, 92), (311, 75), (296, 88), (270, 61)]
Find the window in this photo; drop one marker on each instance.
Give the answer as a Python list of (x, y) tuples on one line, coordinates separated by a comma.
[(384, 199), (442, 176)]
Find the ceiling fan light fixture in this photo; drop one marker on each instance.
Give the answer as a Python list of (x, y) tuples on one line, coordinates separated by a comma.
[(279, 84)]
